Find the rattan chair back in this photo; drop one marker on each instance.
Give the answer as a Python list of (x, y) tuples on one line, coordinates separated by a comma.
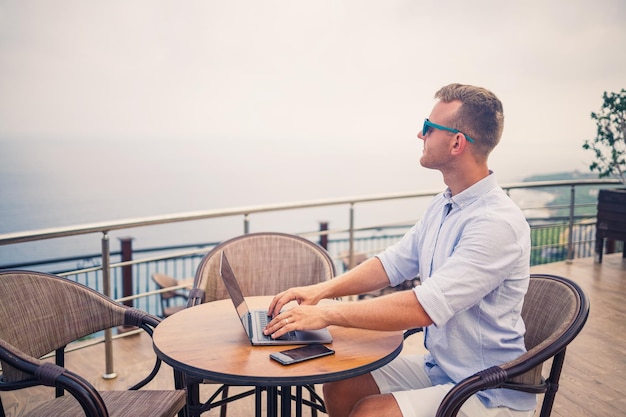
[(264, 264)]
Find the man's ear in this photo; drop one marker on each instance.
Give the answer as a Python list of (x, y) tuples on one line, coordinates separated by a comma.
[(459, 143)]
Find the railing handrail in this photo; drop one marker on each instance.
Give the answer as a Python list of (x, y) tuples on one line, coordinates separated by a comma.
[(105, 227)]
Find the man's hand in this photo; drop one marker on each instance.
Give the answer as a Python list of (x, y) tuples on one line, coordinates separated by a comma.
[(302, 295), (302, 317)]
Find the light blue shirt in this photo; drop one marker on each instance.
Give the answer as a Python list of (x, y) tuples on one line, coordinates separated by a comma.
[(474, 265)]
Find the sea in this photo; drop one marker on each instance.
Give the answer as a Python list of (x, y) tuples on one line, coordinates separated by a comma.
[(55, 182)]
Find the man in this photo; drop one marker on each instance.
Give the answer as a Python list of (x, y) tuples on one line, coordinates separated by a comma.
[(471, 250)]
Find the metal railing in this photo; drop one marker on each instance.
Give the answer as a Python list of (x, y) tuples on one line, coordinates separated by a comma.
[(103, 283)]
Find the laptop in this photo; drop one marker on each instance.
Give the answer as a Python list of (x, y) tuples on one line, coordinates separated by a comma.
[(254, 321)]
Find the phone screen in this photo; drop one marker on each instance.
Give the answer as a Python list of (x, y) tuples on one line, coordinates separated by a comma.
[(306, 351), (299, 354)]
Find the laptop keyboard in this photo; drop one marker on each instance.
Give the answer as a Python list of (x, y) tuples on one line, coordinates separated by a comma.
[(264, 318)]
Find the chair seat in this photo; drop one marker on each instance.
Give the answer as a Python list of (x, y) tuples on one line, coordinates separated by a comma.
[(151, 403)]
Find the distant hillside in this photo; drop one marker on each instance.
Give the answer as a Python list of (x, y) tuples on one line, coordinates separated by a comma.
[(558, 176), (584, 194)]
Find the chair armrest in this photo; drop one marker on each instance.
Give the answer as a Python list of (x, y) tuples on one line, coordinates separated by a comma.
[(49, 374), (494, 377), (179, 295), (412, 331), (147, 322), (196, 296), (489, 378)]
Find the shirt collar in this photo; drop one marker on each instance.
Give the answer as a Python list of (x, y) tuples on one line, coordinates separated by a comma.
[(471, 194)]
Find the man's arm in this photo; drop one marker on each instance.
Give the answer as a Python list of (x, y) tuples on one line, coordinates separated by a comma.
[(368, 276), (397, 311)]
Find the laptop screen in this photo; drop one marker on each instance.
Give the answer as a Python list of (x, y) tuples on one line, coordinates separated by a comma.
[(234, 290)]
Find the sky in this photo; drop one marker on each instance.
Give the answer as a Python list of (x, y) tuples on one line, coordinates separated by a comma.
[(276, 88)]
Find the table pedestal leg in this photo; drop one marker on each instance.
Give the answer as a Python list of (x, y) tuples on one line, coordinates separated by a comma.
[(272, 401), (298, 401), (285, 401)]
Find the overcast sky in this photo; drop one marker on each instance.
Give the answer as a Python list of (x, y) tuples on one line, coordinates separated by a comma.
[(308, 78)]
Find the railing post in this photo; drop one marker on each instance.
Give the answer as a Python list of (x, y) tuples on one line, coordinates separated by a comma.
[(351, 238), (127, 270), (323, 235), (106, 289), (570, 237)]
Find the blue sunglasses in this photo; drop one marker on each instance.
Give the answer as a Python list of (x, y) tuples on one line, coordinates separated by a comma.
[(428, 124)]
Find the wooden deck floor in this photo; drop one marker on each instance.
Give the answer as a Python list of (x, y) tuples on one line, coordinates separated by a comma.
[(593, 381)]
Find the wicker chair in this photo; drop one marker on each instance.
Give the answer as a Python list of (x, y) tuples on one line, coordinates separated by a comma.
[(265, 264), (41, 314), (165, 281), (555, 311)]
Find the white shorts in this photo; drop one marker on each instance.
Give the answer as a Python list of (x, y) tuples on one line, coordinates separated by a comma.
[(406, 380)]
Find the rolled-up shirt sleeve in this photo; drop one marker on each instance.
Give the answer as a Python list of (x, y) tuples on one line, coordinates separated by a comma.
[(434, 302), (399, 260)]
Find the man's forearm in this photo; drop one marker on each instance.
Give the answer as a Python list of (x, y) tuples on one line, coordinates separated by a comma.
[(366, 277), (375, 313)]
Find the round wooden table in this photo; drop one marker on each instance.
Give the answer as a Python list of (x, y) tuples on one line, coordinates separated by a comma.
[(208, 342)]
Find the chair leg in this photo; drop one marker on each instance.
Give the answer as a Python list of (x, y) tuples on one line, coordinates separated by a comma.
[(258, 391), (599, 248), (1, 409), (313, 409), (223, 407), (553, 384)]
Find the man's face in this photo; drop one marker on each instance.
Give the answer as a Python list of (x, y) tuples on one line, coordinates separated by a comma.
[(438, 143)]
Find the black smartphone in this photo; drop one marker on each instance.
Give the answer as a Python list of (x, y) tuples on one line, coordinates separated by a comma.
[(299, 354)]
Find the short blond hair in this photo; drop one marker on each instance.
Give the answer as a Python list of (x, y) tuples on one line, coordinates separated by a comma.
[(480, 116)]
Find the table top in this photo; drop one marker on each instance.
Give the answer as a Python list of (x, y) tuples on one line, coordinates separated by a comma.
[(208, 341)]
